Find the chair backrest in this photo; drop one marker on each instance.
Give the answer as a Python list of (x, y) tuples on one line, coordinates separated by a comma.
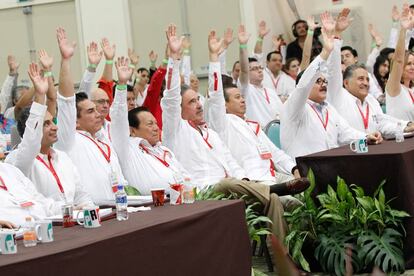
[(272, 131)]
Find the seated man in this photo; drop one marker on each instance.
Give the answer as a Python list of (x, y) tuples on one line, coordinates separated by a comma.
[(309, 124), (200, 149), (50, 170), (19, 198), (354, 102), (146, 163), (94, 159)]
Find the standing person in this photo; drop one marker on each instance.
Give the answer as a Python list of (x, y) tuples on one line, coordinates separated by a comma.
[(399, 94), (295, 48)]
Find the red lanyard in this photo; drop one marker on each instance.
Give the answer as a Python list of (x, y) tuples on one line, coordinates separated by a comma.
[(272, 168), (267, 96), (165, 163), (106, 156), (275, 83), (320, 119), (169, 77), (52, 171), (3, 185), (202, 135), (256, 132), (411, 95), (365, 119)]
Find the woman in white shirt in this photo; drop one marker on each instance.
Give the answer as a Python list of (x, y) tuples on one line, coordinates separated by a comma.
[(399, 92)]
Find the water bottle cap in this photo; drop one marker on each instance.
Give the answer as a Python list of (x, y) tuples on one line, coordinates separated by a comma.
[(120, 187)]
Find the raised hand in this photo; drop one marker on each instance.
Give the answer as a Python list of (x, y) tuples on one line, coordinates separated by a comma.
[(343, 21), (174, 43), (262, 30), (186, 43), (45, 60), (13, 64), (39, 82), (243, 35), (214, 45), (133, 57), (153, 56), (328, 43), (94, 55), (395, 14), (328, 23), (67, 48), (123, 70), (108, 50), (311, 23), (277, 41), (228, 37), (406, 17), (375, 35)]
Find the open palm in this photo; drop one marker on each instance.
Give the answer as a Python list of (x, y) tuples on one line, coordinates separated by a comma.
[(243, 35), (67, 48), (123, 70), (40, 83), (214, 44)]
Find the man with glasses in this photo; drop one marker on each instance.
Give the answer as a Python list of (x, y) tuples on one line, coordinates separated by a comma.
[(262, 103), (309, 124), (101, 100)]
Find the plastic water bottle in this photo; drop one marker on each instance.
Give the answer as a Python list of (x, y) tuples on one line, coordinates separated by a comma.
[(399, 134), (29, 233), (121, 202)]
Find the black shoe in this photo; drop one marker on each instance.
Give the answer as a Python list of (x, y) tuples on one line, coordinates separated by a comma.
[(291, 187)]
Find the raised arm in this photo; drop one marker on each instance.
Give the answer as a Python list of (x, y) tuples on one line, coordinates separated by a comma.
[(393, 86), (258, 48), (66, 97), (109, 52), (307, 47), (94, 58), (171, 102), (335, 78), (119, 110), (376, 45), (186, 64), (227, 40), (296, 104), (30, 145), (243, 57), (6, 89), (393, 38), (216, 103), (46, 62)]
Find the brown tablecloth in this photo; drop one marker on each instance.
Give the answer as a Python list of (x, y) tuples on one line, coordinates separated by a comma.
[(390, 160), (205, 238)]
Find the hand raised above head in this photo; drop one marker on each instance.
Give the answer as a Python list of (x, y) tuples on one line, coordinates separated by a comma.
[(243, 35), (13, 64), (343, 21), (94, 55), (108, 50), (133, 57), (45, 60), (40, 83), (67, 48), (262, 30), (174, 42), (124, 70)]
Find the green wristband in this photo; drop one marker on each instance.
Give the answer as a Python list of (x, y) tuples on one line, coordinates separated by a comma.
[(186, 51), (121, 87), (165, 61), (310, 32), (131, 66), (109, 61), (259, 39), (243, 46), (373, 45), (92, 65), (47, 74), (152, 64)]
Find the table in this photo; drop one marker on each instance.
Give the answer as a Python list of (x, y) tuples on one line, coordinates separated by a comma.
[(390, 160), (204, 238)]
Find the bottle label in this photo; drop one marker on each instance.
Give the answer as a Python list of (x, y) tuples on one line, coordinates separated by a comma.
[(121, 199)]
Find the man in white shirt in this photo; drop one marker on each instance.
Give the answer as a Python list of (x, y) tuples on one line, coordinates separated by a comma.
[(354, 103), (97, 165), (101, 100), (273, 75), (146, 163), (200, 149), (262, 103), (50, 170), (19, 198), (309, 124)]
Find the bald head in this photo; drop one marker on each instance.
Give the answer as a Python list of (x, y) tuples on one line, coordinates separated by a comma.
[(101, 100)]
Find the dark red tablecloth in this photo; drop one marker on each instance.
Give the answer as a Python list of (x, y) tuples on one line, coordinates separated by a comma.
[(390, 160), (205, 238)]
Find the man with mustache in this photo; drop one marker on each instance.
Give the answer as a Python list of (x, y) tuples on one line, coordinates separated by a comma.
[(50, 170), (309, 124)]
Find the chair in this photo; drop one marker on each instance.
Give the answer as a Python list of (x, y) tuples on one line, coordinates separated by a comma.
[(272, 131)]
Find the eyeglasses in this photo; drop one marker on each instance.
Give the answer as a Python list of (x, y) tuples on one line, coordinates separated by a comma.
[(256, 68), (102, 101), (321, 81)]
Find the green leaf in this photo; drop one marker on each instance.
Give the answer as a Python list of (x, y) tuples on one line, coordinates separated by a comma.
[(310, 204), (131, 191), (379, 188), (341, 188), (359, 191)]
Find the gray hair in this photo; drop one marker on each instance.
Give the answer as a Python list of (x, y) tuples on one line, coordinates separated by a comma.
[(349, 71)]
